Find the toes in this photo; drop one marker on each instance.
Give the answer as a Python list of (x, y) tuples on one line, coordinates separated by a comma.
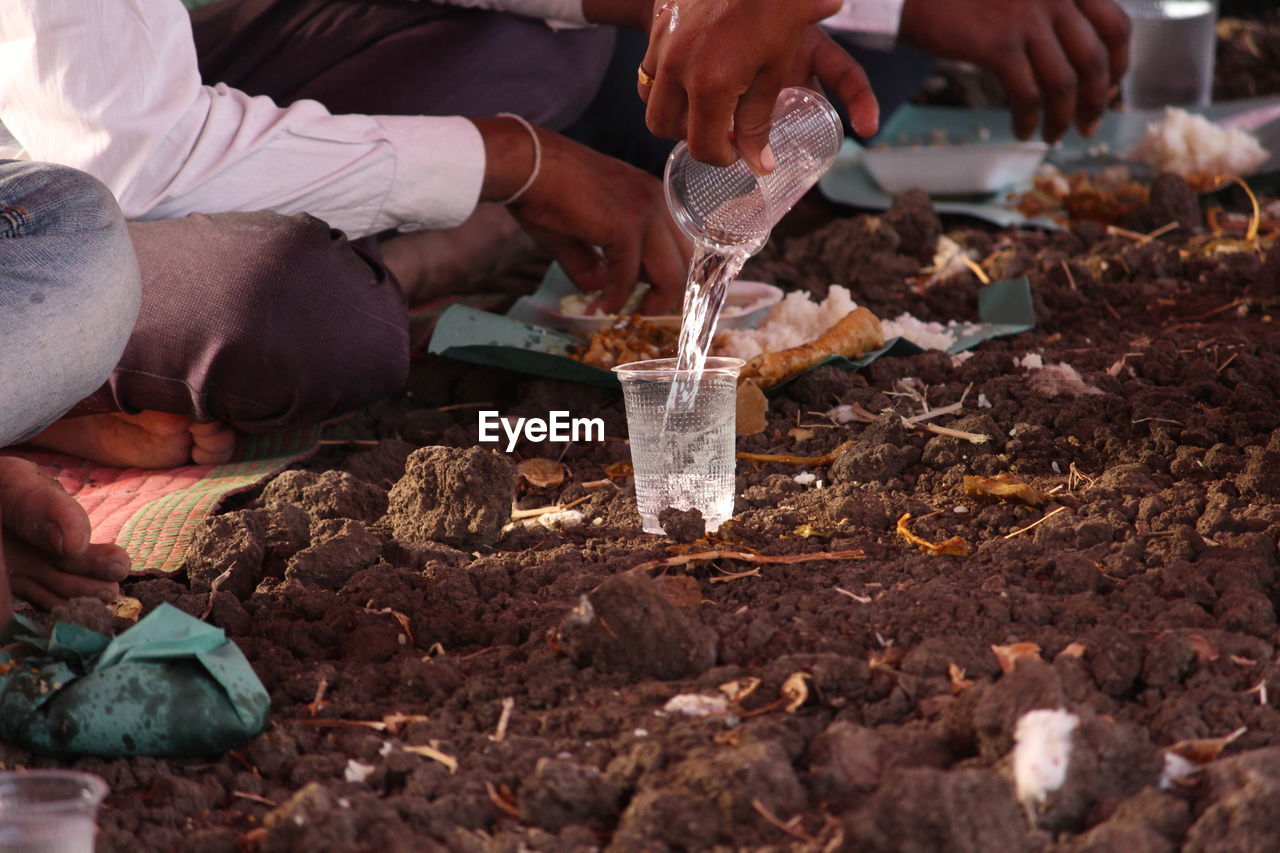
[(104, 562), (45, 584), (212, 443)]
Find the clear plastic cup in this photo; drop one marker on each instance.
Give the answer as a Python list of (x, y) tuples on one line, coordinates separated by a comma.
[(1170, 53), (733, 207), (689, 464), (49, 811)]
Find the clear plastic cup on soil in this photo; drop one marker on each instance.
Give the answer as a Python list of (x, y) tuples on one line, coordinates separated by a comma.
[(49, 811), (690, 463), (733, 208)]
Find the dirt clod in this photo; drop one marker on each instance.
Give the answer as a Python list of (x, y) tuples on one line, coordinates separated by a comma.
[(682, 525), (458, 497), (629, 625)]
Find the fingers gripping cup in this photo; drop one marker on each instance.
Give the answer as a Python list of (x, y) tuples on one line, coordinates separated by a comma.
[(682, 459), (49, 811), (732, 207)]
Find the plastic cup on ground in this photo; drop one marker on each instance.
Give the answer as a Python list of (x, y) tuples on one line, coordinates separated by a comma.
[(690, 464), (49, 811), (1170, 53), (731, 207)]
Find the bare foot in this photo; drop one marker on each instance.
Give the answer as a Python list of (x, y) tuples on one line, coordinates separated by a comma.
[(433, 264), (145, 440), (45, 554)]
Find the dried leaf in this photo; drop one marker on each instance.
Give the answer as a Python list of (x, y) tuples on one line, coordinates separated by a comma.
[(1075, 650), (1205, 652), (787, 459), (619, 470), (541, 473), (1008, 656), (959, 683), (1204, 750), (1003, 486), (805, 531), (956, 546), (680, 590), (740, 688), (435, 755), (753, 408), (728, 737), (396, 721), (800, 433), (124, 607), (796, 690), (887, 660)]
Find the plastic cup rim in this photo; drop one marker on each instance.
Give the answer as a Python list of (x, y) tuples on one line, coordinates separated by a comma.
[(664, 369), (89, 790)]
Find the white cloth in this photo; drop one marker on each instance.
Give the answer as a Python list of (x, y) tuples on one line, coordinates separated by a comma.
[(112, 87)]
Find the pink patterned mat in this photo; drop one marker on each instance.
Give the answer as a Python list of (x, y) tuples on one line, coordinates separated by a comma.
[(153, 514)]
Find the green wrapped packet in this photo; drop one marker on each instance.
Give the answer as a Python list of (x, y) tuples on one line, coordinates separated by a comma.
[(170, 685)]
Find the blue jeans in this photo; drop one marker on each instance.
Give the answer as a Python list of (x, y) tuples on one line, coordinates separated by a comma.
[(69, 291)]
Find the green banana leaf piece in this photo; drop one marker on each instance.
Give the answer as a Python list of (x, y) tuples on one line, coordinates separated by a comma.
[(170, 685), (516, 342)]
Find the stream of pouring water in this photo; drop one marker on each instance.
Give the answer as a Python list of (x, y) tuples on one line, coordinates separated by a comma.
[(710, 274)]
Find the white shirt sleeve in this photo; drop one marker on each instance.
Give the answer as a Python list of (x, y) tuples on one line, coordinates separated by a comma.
[(876, 19), (112, 87)]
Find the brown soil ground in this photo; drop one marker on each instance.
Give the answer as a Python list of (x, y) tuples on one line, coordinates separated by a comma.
[(440, 685)]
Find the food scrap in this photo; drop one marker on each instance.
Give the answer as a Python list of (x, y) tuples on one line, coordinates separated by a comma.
[(956, 546)]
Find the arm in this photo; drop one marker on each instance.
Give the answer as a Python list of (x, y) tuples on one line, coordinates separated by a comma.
[(132, 111)]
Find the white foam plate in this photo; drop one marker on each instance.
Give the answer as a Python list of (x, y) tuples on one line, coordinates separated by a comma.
[(745, 305), (947, 170)]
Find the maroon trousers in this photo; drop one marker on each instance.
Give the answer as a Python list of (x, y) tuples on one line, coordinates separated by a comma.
[(268, 321)]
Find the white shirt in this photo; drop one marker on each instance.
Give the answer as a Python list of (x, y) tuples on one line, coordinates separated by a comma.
[(112, 87)]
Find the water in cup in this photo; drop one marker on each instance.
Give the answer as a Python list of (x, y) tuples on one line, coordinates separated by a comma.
[(1170, 53), (682, 459), (49, 811)]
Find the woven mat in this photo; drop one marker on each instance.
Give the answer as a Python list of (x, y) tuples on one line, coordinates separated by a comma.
[(153, 514)]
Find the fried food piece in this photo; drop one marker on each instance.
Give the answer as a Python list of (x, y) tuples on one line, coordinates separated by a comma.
[(1105, 198), (857, 333), (630, 339)]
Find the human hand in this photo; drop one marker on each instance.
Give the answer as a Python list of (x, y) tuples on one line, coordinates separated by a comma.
[(1062, 56), (717, 68), (605, 222), (45, 554)]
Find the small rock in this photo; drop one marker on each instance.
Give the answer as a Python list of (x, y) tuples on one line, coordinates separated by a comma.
[(458, 497)]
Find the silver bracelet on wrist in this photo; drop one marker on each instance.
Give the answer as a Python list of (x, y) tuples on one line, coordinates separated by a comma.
[(537, 157)]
